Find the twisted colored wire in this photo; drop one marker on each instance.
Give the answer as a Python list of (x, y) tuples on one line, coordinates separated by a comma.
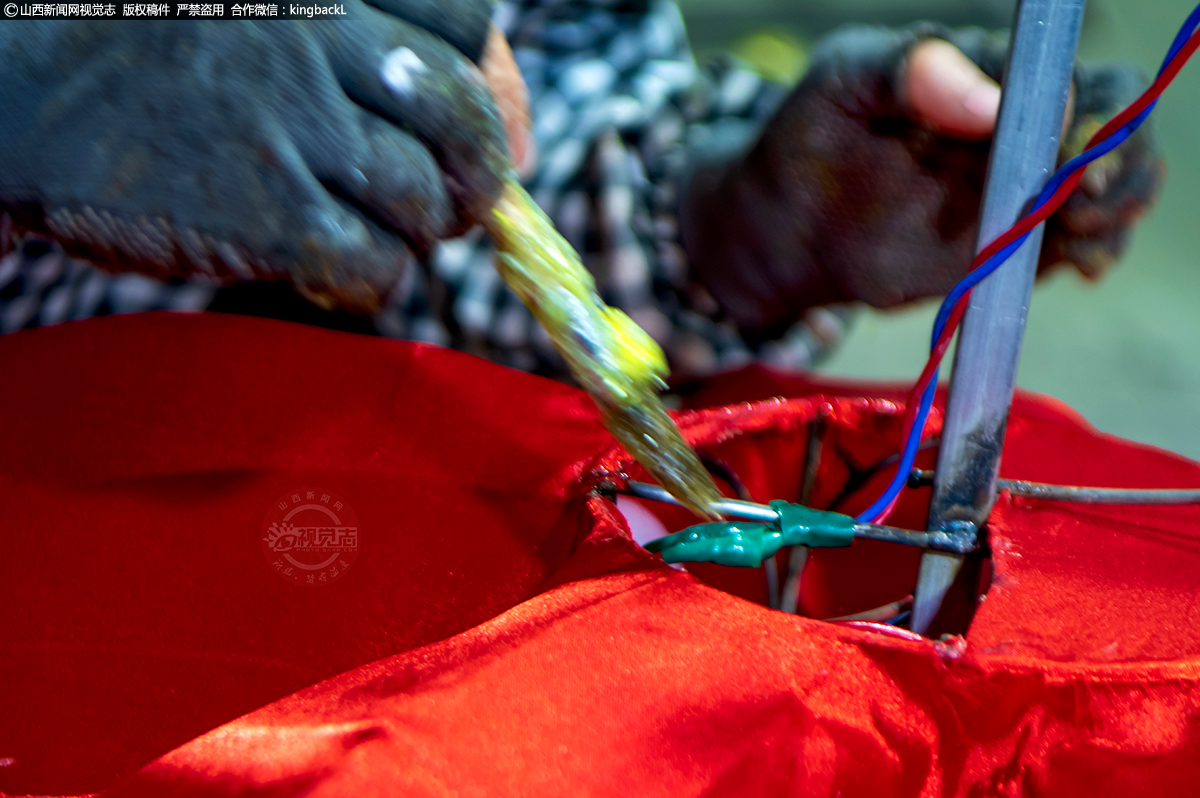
[(1053, 194)]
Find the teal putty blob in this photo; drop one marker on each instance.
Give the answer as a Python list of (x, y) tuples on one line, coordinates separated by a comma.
[(747, 544)]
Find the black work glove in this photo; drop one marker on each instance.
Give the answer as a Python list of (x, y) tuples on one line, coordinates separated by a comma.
[(325, 152), (846, 196)]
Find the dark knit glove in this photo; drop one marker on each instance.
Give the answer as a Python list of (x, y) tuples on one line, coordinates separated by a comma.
[(846, 197), (326, 152)]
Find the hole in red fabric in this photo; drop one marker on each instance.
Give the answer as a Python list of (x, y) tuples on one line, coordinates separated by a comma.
[(829, 454)]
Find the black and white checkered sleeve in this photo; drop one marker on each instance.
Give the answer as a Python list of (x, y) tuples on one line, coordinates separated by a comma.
[(616, 99)]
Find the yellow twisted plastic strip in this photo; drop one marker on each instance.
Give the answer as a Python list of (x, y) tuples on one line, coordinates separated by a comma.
[(615, 360)]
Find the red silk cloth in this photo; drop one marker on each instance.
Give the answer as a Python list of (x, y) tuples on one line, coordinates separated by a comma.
[(499, 632)]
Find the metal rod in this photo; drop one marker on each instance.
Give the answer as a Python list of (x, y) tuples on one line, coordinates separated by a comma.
[(738, 509), (883, 614), (1037, 82), (771, 574), (1084, 494), (1076, 493), (936, 539), (789, 598)]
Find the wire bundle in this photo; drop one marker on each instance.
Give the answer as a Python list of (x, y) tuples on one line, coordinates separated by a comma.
[(1052, 195)]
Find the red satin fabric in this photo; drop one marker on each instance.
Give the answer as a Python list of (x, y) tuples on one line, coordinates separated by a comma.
[(499, 632)]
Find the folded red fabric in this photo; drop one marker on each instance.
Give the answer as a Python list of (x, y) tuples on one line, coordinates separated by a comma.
[(496, 630)]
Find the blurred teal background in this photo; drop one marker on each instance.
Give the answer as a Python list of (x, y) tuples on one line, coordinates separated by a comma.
[(1124, 351)]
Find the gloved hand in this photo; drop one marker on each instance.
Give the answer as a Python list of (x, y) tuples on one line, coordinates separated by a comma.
[(326, 152), (856, 190)]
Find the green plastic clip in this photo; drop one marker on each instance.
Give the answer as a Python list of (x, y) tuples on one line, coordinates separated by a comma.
[(747, 544), (818, 529)]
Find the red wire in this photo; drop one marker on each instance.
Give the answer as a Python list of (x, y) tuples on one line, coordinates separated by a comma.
[(1119, 121), (1023, 226), (914, 398)]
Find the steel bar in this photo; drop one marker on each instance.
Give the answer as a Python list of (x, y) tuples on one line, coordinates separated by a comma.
[(938, 540), (1076, 493), (789, 598), (1084, 494), (1037, 82), (739, 509), (771, 575)]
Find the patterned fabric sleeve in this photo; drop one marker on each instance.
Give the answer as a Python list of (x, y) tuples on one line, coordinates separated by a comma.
[(616, 100), (40, 285)]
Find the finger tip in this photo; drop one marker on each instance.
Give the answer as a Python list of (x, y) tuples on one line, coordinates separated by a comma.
[(983, 101), (526, 160), (948, 93), (511, 96)]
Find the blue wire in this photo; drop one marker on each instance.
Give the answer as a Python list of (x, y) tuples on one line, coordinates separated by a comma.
[(970, 281), (1185, 32), (909, 454)]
